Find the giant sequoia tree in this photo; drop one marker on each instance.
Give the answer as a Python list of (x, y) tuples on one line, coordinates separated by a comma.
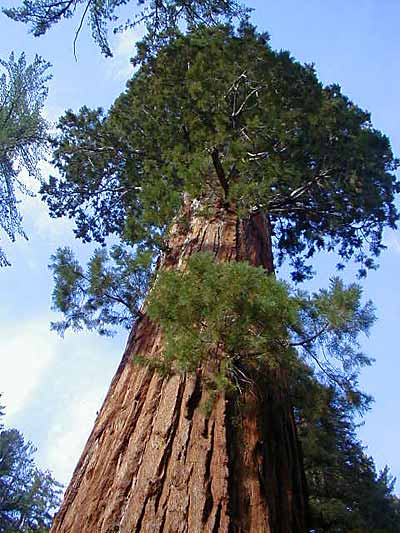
[(219, 145)]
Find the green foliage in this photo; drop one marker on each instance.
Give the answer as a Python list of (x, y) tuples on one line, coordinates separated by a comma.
[(346, 493), (28, 496), (328, 335), (161, 17), (108, 293), (23, 136), (218, 114), (102, 166), (229, 313), (235, 321)]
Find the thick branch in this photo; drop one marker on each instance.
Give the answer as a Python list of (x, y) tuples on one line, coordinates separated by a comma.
[(311, 339), (278, 201)]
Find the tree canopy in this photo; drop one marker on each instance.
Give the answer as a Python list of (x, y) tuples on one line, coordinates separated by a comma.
[(28, 495), (23, 135), (218, 113)]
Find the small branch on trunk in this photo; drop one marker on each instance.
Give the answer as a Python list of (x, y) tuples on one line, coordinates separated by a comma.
[(255, 91), (220, 171)]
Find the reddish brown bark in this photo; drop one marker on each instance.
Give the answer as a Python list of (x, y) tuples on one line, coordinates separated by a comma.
[(155, 462)]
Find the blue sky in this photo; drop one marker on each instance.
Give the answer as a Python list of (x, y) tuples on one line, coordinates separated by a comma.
[(53, 387)]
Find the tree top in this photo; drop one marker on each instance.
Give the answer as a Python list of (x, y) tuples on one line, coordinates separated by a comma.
[(218, 114)]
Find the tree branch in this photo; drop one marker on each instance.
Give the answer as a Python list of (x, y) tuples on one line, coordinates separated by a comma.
[(80, 27), (279, 201), (220, 171)]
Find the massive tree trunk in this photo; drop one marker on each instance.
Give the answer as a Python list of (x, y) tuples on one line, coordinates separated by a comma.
[(156, 461)]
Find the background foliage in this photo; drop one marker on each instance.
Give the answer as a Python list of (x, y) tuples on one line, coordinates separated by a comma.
[(346, 492), (28, 496), (23, 135), (108, 294)]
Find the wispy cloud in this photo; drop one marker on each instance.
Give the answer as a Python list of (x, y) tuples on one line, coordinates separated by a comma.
[(392, 241), (26, 351), (74, 396), (120, 67), (35, 213), (52, 113), (66, 438), (53, 387)]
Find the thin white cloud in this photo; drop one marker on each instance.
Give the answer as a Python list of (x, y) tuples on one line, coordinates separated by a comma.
[(67, 437), (52, 113), (77, 383), (38, 222), (36, 218), (120, 67), (26, 351), (392, 241), (53, 387)]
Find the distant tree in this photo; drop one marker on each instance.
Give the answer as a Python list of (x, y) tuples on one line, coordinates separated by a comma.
[(28, 495), (23, 135), (346, 493)]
